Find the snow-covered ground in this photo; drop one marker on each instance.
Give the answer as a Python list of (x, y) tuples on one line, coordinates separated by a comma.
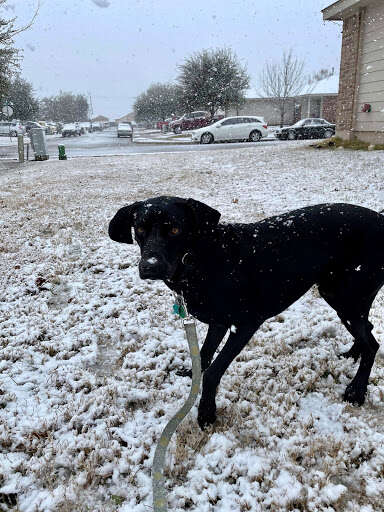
[(89, 352)]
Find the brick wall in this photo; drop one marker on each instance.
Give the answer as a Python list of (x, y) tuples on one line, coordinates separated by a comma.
[(265, 107), (329, 109), (348, 67)]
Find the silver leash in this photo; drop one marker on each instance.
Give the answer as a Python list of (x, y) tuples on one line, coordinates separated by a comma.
[(158, 480)]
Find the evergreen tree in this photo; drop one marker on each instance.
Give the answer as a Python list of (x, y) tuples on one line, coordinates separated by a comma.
[(213, 79)]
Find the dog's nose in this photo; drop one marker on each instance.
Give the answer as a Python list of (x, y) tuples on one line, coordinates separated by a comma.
[(151, 267)]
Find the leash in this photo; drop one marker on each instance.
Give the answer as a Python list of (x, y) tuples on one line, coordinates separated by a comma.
[(158, 481)]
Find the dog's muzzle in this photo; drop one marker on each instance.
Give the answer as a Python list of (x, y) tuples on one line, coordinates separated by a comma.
[(152, 267)]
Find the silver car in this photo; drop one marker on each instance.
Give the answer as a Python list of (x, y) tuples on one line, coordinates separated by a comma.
[(11, 128), (125, 130)]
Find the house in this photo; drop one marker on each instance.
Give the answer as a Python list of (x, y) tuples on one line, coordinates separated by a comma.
[(318, 101), (100, 119), (130, 117), (360, 107), (265, 107)]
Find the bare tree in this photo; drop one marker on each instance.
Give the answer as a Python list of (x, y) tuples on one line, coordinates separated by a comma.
[(9, 55), (283, 80)]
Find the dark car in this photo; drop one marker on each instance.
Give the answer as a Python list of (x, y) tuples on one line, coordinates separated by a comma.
[(310, 128), (32, 124)]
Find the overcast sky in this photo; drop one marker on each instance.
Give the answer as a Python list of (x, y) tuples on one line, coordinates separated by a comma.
[(115, 49)]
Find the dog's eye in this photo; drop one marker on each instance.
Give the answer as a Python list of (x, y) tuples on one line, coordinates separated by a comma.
[(174, 231), (140, 230)]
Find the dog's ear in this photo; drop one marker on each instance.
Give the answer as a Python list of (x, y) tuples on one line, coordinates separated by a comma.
[(205, 216), (120, 227)]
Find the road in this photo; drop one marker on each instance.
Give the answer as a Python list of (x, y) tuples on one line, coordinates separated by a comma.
[(107, 143)]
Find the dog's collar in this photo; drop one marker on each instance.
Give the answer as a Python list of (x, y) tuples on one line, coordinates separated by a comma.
[(187, 259)]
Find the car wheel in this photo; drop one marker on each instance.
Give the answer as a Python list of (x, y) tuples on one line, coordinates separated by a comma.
[(255, 136), (291, 136), (206, 138), (328, 134), (177, 129)]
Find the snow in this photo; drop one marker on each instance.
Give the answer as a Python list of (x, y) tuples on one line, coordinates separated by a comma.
[(329, 85), (89, 352)]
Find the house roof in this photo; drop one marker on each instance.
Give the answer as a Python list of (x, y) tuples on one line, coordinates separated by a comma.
[(128, 117), (329, 85), (100, 118), (343, 8)]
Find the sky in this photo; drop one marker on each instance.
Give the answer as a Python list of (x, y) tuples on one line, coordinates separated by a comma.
[(115, 49)]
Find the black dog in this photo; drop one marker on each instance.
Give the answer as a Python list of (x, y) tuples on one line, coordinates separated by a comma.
[(235, 276)]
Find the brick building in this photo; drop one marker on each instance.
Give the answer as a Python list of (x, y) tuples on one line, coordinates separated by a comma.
[(319, 101), (360, 107)]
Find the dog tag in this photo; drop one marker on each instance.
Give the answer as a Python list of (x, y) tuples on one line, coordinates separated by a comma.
[(179, 309)]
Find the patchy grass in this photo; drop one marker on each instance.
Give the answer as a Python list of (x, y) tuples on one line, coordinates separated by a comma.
[(356, 144)]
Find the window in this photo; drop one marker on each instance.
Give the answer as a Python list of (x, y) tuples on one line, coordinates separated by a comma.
[(228, 121)]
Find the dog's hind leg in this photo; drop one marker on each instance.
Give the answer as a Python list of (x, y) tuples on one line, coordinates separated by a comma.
[(213, 374), (352, 298), (212, 340), (356, 390)]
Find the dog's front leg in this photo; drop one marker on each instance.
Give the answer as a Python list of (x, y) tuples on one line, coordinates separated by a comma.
[(212, 340), (212, 375)]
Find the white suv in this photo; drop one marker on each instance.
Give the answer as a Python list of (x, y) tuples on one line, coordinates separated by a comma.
[(250, 128), (11, 128)]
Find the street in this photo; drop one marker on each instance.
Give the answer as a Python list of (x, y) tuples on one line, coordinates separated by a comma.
[(106, 143)]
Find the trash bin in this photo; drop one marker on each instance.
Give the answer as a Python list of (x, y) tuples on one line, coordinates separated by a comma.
[(38, 143)]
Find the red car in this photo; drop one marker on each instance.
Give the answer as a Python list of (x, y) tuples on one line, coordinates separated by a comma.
[(164, 125), (191, 121)]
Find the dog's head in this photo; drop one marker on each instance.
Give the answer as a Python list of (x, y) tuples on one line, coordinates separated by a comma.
[(165, 228)]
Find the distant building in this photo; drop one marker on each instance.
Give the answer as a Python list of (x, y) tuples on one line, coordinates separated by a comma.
[(127, 118), (360, 107), (319, 101), (100, 119)]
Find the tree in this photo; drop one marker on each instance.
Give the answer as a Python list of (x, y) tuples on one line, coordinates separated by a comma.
[(283, 80), (317, 76), (158, 102), (213, 79), (21, 97), (66, 107), (9, 55)]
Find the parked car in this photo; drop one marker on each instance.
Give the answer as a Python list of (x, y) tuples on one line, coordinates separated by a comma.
[(11, 128), (31, 124), (97, 127), (164, 126), (191, 121), (85, 126), (250, 128), (70, 129), (51, 128), (309, 128), (46, 127), (125, 130)]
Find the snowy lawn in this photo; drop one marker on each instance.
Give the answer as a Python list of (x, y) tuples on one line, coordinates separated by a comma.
[(89, 352)]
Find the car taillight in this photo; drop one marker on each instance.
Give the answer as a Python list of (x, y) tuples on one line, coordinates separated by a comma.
[(265, 126)]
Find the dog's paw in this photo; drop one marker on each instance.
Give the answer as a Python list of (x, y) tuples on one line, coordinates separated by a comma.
[(183, 372), (353, 352), (354, 395)]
